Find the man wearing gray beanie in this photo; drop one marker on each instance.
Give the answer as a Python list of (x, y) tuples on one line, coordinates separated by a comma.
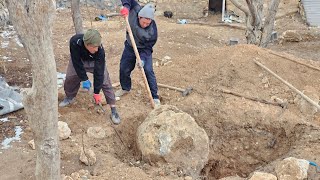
[(88, 55), (145, 33)]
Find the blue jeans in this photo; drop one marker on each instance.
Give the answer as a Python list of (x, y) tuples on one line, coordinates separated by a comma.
[(127, 64)]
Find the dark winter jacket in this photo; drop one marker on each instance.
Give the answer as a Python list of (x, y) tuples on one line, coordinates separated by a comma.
[(79, 53), (145, 38)]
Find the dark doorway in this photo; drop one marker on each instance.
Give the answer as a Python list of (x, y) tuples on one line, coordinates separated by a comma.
[(215, 6)]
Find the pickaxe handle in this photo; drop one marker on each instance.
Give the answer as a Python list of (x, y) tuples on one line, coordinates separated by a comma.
[(171, 87), (139, 61)]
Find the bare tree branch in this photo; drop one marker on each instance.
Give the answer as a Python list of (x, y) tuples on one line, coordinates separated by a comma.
[(253, 12), (240, 6)]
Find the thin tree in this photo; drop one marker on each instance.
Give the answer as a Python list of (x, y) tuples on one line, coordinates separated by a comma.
[(76, 16), (32, 20), (258, 31)]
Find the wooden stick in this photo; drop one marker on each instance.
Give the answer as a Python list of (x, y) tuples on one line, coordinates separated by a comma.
[(112, 14), (293, 60), (253, 98), (139, 62), (288, 84), (220, 24)]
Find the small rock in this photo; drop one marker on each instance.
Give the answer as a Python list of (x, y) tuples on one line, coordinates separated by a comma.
[(31, 144), (66, 178), (232, 178), (88, 157), (292, 168), (109, 131), (75, 176), (262, 176), (167, 58), (28, 129), (96, 132), (83, 172), (64, 130), (187, 178), (291, 36), (307, 109), (265, 80), (90, 106)]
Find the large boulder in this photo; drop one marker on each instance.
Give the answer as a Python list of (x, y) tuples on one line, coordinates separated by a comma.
[(169, 135)]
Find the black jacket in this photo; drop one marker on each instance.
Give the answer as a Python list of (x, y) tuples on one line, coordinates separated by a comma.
[(79, 53)]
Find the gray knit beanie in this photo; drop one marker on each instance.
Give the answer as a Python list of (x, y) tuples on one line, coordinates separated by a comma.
[(92, 37), (147, 11)]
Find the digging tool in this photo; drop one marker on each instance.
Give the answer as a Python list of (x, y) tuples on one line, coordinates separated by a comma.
[(289, 85), (139, 62), (115, 130), (185, 92), (281, 104), (294, 60)]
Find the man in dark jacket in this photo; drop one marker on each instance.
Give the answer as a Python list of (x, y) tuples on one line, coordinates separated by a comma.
[(87, 55), (144, 30)]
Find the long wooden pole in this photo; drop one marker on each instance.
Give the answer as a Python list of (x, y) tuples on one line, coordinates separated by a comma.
[(139, 62), (293, 60), (288, 84)]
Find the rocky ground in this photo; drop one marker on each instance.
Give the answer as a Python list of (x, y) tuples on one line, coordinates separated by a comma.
[(244, 135)]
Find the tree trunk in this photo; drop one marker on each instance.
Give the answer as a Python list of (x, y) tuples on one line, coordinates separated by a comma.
[(254, 32), (269, 23), (32, 20), (76, 16), (4, 14), (258, 32)]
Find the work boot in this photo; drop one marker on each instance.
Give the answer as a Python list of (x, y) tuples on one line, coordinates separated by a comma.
[(115, 118), (67, 101), (156, 102), (121, 92)]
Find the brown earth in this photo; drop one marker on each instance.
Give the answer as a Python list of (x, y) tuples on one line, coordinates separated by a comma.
[(244, 135)]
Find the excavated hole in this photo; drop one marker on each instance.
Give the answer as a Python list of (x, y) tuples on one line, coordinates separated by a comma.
[(239, 150), (234, 149)]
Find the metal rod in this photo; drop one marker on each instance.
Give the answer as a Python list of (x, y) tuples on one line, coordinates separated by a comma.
[(223, 9)]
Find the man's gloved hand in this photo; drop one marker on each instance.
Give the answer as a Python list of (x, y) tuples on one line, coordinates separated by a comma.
[(124, 12), (97, 98), (86, 84), (141, 65)]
